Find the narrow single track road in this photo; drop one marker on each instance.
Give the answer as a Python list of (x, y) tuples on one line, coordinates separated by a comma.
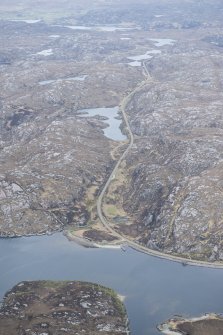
[(124, 239)]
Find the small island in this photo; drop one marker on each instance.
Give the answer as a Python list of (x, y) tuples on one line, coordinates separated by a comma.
[(209, 324), (71, 307)]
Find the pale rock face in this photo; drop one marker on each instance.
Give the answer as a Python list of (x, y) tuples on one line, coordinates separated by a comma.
[(177, 181)]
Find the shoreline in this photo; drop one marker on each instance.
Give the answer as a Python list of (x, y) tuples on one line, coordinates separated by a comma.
[(84, 242), (173, 326), (128, 243), (64, 303)]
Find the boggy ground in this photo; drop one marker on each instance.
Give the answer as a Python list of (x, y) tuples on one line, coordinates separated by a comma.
[(47, 307), (208, 325)]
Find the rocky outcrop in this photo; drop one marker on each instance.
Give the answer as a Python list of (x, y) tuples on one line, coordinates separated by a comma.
[(50, 156), (204, 325), (48, 307), (44, 178), (175, 169)]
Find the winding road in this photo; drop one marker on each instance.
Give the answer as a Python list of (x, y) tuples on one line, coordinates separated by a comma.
[(104, 221)]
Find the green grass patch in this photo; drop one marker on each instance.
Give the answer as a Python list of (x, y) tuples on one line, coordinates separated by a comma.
[(111, 210), (117, 302)]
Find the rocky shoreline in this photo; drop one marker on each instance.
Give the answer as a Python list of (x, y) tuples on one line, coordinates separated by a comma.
[(54, 307), (208, 324)]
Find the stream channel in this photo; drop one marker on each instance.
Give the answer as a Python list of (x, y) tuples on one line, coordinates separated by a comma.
[(155, 289)]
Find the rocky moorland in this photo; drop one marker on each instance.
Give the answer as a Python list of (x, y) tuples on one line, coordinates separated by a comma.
[(178, 153), (169, 190), (54, 162), (47, 307), (50, 155)]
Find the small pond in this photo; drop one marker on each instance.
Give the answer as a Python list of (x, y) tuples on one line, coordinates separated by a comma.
[(113, 120)]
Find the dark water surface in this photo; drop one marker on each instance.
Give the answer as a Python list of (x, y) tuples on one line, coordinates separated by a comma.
[(155, 289)]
